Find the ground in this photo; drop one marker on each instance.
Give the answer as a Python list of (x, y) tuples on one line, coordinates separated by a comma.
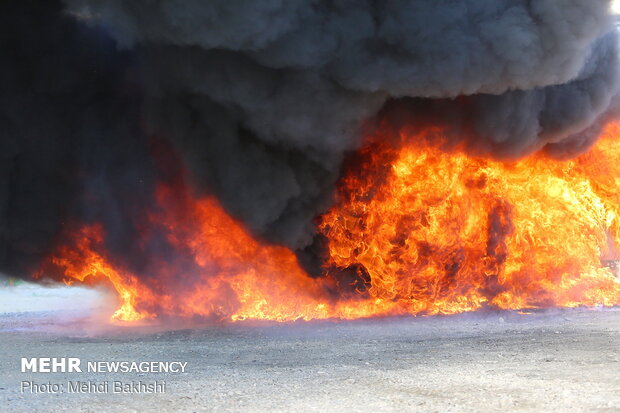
[(552, 360)]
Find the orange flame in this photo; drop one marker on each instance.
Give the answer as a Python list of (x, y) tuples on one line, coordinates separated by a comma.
[(447, 233), (426, 231), (86, 266)]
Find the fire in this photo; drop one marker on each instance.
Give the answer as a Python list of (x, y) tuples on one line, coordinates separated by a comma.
[(84, 265), (423, 229), (447, 233), (226, 277)]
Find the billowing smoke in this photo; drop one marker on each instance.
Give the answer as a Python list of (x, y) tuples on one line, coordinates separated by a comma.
[(264, 99), (70, 145)]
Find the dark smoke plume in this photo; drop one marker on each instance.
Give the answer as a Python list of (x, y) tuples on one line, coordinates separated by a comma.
[(71, 148), (263, 99)]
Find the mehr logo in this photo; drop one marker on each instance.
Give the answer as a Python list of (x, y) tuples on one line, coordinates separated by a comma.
[(51, 365)]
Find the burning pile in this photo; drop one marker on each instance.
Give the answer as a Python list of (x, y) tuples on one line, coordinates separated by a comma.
[(445, 232), (435, 232), (311, 159)]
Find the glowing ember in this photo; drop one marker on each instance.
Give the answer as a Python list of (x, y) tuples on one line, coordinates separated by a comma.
[(427, 231)]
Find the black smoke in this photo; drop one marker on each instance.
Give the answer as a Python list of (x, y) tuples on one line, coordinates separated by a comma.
[(264, 99), (71, 146)]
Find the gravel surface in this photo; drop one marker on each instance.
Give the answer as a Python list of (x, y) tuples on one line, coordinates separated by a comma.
[(559, 360)]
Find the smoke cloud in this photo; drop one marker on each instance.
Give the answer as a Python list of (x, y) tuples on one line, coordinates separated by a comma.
[(264, 99), (71, 147)]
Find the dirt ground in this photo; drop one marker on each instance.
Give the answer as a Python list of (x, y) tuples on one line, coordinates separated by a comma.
[(554, 360)]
